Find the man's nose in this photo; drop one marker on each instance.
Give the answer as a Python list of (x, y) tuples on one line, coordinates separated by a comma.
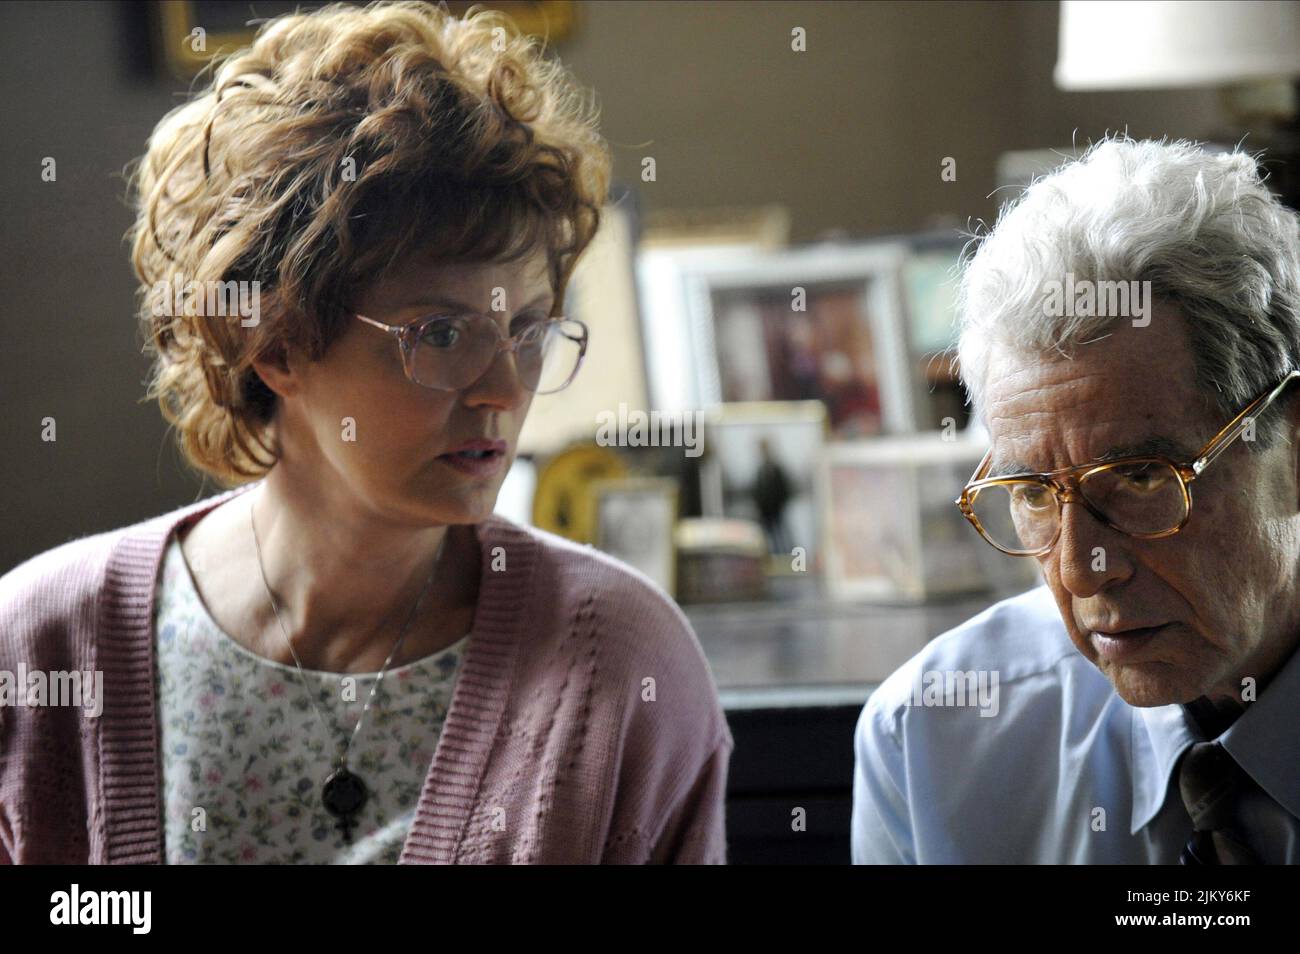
[(1091, 555)]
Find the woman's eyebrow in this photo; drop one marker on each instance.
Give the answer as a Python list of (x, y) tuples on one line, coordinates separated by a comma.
[(443, 301)]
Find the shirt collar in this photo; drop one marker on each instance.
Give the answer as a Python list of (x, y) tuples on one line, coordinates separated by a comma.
[(1263, 741), (1168, 732)]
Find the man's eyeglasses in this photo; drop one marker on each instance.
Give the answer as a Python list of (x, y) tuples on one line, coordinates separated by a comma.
[(1143, 496), (450, 352)]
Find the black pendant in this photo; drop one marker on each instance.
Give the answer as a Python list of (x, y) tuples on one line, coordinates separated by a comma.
[(344, 795)]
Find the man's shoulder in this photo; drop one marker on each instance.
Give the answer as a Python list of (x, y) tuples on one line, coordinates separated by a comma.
[(1000, 720), (1018, 645), (1021, 635)]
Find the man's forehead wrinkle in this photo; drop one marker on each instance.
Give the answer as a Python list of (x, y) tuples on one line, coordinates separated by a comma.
[(1153, 444), (1020, 379), (1103, 440), (1045, 412), (1023, 433), (1018, 437), (1021, 406)]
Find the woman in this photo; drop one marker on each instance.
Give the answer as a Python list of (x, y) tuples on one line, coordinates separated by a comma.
[(349, 658)]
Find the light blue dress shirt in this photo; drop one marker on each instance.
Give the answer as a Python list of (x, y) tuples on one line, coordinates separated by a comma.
[(1000, 743)]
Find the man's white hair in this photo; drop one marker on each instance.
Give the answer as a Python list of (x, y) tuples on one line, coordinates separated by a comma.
[(1200, 226)]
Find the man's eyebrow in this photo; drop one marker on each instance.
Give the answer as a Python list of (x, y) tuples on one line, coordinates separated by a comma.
[(1166, 446), (1007, 468), (999, 468), (1152, 445)]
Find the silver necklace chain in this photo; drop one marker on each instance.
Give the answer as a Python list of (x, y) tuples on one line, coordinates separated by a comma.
[(311, 695)]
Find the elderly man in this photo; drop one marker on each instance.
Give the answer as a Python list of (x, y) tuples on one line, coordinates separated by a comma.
[(1130, 334)]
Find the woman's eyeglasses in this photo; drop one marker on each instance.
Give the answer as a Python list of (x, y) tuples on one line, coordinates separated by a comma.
[(450, 352)]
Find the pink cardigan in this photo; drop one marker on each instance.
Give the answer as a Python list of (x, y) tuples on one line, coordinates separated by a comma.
[(557, 748)]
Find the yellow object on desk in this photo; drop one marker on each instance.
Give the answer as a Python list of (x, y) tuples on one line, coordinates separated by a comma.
[(563, 503)]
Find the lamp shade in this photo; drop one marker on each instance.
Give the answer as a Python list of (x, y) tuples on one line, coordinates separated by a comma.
[(1136, 44)]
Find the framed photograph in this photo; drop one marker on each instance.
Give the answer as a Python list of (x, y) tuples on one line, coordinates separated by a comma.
[(759, 464), (892, 532), (562, 491), (819, 323), (930, 278), (673, 383), (634, 520)]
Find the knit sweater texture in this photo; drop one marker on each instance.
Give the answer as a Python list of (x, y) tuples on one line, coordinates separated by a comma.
[(584, 727)]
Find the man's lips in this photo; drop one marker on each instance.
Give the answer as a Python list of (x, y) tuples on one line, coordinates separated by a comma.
[(1124, 645), (1124, 630)]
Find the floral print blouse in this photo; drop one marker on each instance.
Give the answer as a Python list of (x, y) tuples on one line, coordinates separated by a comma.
[(244, 755)]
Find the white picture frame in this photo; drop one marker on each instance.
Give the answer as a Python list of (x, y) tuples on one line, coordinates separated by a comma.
[(796, 431), (891, 530), (634, 521), (875, 268)]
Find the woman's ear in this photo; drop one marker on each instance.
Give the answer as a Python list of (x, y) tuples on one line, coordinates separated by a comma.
[(278, 371)]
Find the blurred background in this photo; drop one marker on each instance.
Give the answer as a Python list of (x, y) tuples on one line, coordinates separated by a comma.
[(769, 423)]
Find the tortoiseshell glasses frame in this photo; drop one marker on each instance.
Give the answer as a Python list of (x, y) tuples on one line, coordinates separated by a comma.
[(1065, 484)]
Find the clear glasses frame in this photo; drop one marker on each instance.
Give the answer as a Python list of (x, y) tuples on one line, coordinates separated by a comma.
[(408, 339), (1064, 483)]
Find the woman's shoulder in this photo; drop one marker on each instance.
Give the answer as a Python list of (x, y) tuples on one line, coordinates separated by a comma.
[(641, 632), (59, 575), (567, 572), (61, 588)]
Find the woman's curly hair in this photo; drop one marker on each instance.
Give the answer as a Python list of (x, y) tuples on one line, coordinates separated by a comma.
[(321, 156)]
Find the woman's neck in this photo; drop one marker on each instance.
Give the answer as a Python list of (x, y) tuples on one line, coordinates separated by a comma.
[(345, 581)]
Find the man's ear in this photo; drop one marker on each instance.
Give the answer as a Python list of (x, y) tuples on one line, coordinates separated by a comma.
[(1292, 436)]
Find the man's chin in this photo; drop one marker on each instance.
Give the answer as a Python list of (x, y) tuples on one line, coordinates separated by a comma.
[(1145, 685)]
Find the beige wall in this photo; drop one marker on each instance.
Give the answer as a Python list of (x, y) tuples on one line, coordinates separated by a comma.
[(849, 134)]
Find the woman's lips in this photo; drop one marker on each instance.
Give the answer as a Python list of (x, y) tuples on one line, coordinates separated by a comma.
[(1127, 646), (475, 463)]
